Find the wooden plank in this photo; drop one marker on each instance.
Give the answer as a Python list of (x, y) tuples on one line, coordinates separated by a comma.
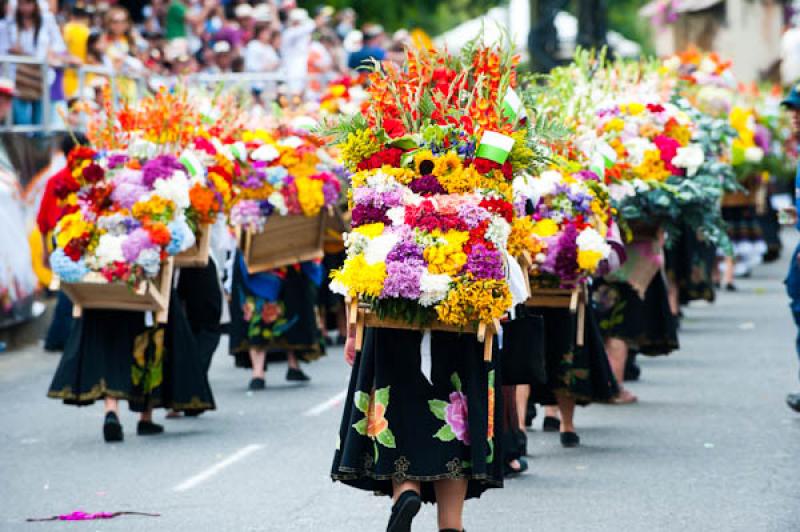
[(286, 240), (197, 255)]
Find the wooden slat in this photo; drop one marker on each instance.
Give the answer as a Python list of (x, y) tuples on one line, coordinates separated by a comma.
[(286, 240), (197, 255)]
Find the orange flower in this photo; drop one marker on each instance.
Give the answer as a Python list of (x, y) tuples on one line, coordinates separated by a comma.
[(376, 422), (159, 234), (490, 430)]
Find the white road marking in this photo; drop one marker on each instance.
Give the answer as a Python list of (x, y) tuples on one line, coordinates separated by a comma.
[(334, 401), (206, 474)]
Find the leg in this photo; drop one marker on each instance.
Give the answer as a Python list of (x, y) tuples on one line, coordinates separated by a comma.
[(727, 275), (146, 427), (111, 405), (400, 487), (450, 495), (617, 351), (566, 406), (257, 358), (112, 430), (674, 303), (294, 373), (293, 362), (523, 392), (551, 411)]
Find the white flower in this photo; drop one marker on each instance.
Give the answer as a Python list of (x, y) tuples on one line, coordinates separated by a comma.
[(109, 249), (304, 122), (379, 247), (142, 149), (620, 191), (640, 185), (590, 240), (637, 147), (673, 63), (689, 157), (175, 188), (753, 154), (397, 215), (266, 153), (434, 288), (338, 287), (498, 231), (277, 201), (355, 243), (293, 142), (707, 66)]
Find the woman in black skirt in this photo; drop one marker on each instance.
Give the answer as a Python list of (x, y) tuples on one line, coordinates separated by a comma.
[(420, 427), (114, 355), (275, 313)]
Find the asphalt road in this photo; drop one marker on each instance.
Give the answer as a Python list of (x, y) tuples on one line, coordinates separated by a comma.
[(710, 447)]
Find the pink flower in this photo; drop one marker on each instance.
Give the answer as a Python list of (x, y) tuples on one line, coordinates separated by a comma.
[(455, 414), (668, 148)]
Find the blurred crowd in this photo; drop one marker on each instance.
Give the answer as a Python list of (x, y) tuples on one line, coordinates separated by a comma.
[(287, 48)]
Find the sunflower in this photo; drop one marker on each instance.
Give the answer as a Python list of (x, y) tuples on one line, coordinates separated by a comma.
[(424, 162), (447, 164)]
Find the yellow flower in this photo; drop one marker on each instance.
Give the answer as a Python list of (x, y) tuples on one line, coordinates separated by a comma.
[(370, 230), (447, 258), (309, 195), (258, 135), (474, 301), (520, 238), (652, 167), (461, 181), (71, 226), (360, 278), (615, 124), (634, 108), (404, 176), (545, 228), (424, 162), (589, 259), (357, 147), (447, 164)]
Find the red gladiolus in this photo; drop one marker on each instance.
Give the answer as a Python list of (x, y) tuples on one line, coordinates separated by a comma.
[(484, 166), (394, 127)]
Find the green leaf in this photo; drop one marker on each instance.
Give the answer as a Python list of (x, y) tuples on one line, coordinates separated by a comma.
[(361, 401), (490, 459), (437, 407), (404, 143), (445, 434), (491, 379), (386, 438), (456, 380), (382, 396), (361, 427)]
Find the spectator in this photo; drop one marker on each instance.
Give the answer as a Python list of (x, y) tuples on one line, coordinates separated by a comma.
[(295, 43), (76, 39), (372, 48), (175, 25), (321, 66), (223, 58), (347, 23), (31, 33), (244, 18)]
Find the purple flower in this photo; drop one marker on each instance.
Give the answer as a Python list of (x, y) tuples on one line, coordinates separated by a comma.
[(367, 196), (137, 241), (455, 414), (403, 279), (588, 175), (366, 214), (426, 185), (472, 214), (467, 150), (762, 137), (330, 192), (116, 160), (161, 167), (562, 256), (405, 251), (484, 263)]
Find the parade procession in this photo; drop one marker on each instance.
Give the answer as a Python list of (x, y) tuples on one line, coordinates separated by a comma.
[(521, 272)]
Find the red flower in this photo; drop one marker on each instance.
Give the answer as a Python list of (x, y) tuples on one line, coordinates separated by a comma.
[(498, 206), (159, 234), (64, 184), (668, 148), (655, 107), (203, 144), (389, 156), (484, 166), (394, 127), (93, 173), (508, 170)]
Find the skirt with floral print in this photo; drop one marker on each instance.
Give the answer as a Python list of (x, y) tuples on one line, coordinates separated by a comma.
[(690, 265), (646, 325), (287, 324), (400, 425)]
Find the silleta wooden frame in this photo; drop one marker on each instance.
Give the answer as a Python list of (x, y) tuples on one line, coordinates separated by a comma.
[(94, 292), (285, 240), (197, 255)]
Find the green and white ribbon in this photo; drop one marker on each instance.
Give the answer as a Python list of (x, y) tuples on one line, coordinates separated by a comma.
[(494, 146), (605, 157), (192, 163), (513, 107)]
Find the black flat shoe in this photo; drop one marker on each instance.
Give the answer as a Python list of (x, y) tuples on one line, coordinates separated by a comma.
[(451, 530), (551, 424), (257, 385), (296, 375), (793, 400), (404, 511), (112, 429), (570, 439), (509, 471), (730, 287), (193, 413), (148, 428)]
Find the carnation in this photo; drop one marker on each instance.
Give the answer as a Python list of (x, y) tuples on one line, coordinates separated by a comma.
[(378, 248), (266, 153), (403, 280), (498, 231), (690, 157), (110, 249), (161, 167), (433, 287), (590, 240)]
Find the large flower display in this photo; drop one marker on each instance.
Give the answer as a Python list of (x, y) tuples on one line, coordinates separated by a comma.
[(432, 159)]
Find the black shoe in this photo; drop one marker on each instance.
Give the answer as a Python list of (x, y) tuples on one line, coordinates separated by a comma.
[(148, 428), (509, 471), (551, 424), (451, 530), (404, 511), (257, 385), (530, 414), (632, 372), (193, 413), (793, 400), (296, 375), (730, 287), (112, 430), (570, 439)]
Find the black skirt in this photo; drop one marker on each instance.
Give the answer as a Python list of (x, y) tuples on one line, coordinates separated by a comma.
[(199, 290), (287, 324), (399, 426), (581, 372), (690, 266), (646, 325), (111, 353)]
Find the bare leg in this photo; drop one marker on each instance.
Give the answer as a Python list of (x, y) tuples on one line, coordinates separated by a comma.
[(292, 359), (450, 495), (111, 405), (674, 303), (147, 415), (727, 275), (617, 351), (523, 392), (398, 488), (257, 357), (566, 405)]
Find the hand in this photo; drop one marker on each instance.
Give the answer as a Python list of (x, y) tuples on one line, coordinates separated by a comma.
[(350, 350)]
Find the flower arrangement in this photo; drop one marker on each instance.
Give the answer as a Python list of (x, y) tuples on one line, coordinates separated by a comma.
[(286, 171), (127, 216), (432, 159), (344, 95)]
